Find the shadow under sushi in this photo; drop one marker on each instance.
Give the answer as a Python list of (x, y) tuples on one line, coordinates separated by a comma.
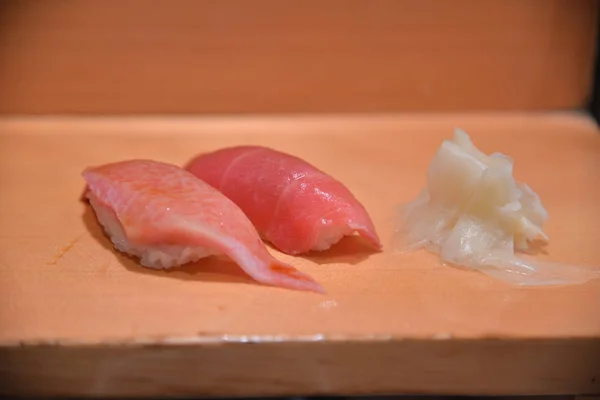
[(211, 269), (349, 250)]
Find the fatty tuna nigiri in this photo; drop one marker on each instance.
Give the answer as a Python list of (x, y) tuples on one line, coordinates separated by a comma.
[(292, 204), (167, 217)]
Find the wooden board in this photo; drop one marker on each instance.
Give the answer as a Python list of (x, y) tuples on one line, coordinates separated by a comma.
[(298, 56), (78, 318)]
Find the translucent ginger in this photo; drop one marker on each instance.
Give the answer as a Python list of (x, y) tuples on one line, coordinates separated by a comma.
[(474, 214)]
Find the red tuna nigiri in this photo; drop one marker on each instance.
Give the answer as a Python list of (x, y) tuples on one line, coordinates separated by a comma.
[(292, 204), (167, 217)]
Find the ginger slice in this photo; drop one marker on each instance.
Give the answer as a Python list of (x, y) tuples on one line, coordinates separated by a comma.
[(475, 215)]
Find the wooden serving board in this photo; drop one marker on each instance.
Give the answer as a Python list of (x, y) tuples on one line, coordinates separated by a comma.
[(78, 318)]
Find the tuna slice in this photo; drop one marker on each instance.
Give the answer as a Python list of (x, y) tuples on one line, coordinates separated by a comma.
[(167, 217), (293, 205)]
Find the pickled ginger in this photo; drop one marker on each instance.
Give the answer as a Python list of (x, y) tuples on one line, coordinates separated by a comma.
[(475, 215)]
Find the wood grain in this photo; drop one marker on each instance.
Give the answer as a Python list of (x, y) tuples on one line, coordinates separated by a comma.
[(79, 318), (299, 56), (482, 367)]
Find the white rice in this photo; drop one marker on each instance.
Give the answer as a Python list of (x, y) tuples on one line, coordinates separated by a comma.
[(157, 257)]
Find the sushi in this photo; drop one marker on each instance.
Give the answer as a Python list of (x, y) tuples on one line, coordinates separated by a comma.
[(167, 217), (474, 214), (294, 206)]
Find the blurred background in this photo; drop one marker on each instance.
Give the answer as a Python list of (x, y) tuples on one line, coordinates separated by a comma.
[(296, 56)]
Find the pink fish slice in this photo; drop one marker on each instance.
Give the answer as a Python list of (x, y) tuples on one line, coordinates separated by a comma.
[(167, 217), (293, 205)]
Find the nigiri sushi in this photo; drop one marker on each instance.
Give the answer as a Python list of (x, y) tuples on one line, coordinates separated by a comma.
[(474, 214), (294, 206), (167, 217)]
